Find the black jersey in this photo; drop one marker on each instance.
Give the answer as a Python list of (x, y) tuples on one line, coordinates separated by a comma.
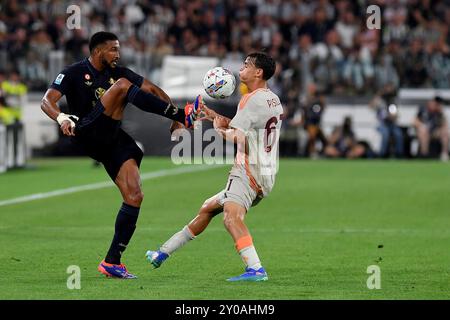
[(83, 85), (433, 120)]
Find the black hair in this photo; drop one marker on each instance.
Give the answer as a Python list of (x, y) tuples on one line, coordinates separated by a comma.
[(100, 38), (439, 99), (265, 62)]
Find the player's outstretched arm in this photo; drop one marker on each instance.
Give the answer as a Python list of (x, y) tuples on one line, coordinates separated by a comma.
[(210, 115), (50, 107), (222, 126)]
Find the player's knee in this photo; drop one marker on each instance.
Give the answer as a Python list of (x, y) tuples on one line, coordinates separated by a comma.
[(208, 208), (135, 197), (122, 84), (205, 208), (139, 196)]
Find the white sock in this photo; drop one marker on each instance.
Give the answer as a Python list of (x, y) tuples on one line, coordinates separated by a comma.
[(250, 257), (178, 240)]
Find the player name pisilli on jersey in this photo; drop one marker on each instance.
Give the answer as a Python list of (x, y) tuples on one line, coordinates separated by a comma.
[(259, 116)]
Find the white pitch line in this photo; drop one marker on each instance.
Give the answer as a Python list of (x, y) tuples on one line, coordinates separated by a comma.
[(105, 184)]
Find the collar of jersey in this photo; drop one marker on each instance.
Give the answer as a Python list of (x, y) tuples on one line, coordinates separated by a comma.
[(91, 68)]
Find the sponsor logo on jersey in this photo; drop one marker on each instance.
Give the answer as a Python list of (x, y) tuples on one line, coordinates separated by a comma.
[(99, 92), (111, 81)]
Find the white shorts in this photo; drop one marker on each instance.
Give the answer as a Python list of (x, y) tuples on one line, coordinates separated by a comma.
[(239, 191)]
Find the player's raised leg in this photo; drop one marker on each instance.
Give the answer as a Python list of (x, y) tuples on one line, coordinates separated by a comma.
[(129, 184), (234, 214), (209, 210), (115, 99)]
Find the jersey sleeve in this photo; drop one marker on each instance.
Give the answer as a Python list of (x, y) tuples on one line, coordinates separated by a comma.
[(132, 76), (245, 116), (63, 80), (421, 113)]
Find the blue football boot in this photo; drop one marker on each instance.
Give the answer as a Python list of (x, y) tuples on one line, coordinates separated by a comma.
[(115, 270), (156, 258), (251, 275)]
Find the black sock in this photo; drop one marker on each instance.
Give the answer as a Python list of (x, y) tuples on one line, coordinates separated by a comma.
[(124, 229), (151, 103)]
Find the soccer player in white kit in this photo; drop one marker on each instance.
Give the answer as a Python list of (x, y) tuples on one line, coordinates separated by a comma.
[(255, 129)]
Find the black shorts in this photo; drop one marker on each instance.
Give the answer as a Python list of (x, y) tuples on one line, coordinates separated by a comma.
[(105, 141)]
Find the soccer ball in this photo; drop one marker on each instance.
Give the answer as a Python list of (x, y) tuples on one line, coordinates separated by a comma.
[(219, 83)]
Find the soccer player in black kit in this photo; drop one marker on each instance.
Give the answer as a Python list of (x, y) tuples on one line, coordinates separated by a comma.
[(97, 91)]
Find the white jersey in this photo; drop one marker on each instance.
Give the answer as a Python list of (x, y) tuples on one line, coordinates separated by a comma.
[(259, 117)]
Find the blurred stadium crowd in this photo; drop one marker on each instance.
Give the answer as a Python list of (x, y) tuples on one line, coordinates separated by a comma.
[(324, 41), (321, 43)]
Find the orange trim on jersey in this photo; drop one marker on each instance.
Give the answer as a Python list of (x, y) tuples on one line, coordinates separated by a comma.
[(245, 98), (242, 161), (244, 242), (253, 184)]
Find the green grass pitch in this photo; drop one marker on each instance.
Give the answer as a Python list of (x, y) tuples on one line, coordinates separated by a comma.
[(323, 225)]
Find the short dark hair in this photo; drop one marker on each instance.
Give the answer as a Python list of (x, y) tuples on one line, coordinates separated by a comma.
[(265, 62), (439, 99), (100, 38)]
